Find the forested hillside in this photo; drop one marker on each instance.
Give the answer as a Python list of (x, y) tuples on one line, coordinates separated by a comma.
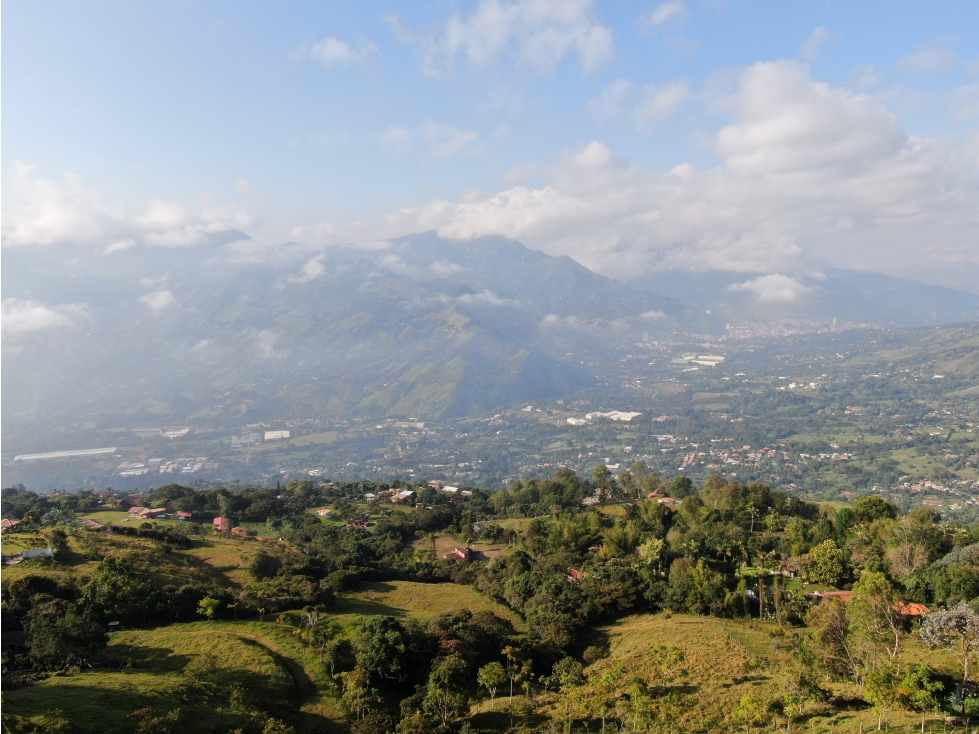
[(576, 602)]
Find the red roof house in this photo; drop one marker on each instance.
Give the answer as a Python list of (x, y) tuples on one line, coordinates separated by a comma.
[(459, 554), (12, 525), (181, 515), (222, 524)]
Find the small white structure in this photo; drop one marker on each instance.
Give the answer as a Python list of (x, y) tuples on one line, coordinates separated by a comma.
[(39, 552), (276, 435)]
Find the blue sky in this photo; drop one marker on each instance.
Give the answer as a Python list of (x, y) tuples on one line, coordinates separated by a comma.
[(759, 137)]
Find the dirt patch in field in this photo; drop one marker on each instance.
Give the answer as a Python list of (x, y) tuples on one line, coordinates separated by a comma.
[(221, 562)]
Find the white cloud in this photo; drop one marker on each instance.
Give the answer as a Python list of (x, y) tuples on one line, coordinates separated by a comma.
[(485, 297), (929, 58), (610, 104), (540, 32), (157, 300), (659, 100), (966, 99), (553, 321), (40, 212), (119, 246), (675, 9), (866, 76), (773, 288), (19, 317), (264, 343), (442, 141), (331, 51), (317, 234), (819, 37), (655, 101), (809, 173), (312, 269), (444, 269)]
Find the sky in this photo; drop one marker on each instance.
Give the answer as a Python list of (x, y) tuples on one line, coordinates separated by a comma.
[(767, 138)]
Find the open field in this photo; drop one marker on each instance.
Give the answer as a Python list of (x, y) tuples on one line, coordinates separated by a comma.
[(413, 599), (271, 672), (727, 660)]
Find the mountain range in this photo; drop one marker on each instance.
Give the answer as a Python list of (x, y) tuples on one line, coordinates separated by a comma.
[(416, 327)]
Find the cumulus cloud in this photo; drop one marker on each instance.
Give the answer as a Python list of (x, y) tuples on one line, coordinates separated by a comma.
[(553, 321), (119, 246), (675, 9), (866, 76), (21, 317), (444, 269), (331, 52), (442, 141), (157, 300), (611, 103), (659, 100), (929, 58), (264, 343), (819, 37), (39, 211), (316, 234), (312, 269), (486, 297), (539, 32), (808, 172), (773, 288), (648, 103)]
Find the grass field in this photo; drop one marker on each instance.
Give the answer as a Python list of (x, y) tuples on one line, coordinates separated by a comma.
[(276, 672), (413, 599), (149, 668), (728, 659)]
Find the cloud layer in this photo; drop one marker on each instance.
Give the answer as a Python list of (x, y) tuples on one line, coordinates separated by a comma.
[(39, 211), (808, 173), (539, 32), (20, 317)]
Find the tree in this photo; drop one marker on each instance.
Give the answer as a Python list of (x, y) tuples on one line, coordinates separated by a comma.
[(829, 630), (208, 607), (916, 691), (826, 564), (383, 649), (264, 566), (604, 680), (445, 695), (681, 487), (59, 544), (873, 613), (58, 637), (357, 694), (492, 676), (956, 630), (147, 722), (751, 712), (275, 726), (880, 688)]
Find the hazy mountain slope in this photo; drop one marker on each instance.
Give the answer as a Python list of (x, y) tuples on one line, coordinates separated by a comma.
[(847, 295), (424, 327)]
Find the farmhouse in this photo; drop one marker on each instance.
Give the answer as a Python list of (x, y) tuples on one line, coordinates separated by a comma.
[(10, 526), (221, 524), (459, 554)]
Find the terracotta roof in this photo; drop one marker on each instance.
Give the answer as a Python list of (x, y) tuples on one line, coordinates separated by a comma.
[(911, 609)]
